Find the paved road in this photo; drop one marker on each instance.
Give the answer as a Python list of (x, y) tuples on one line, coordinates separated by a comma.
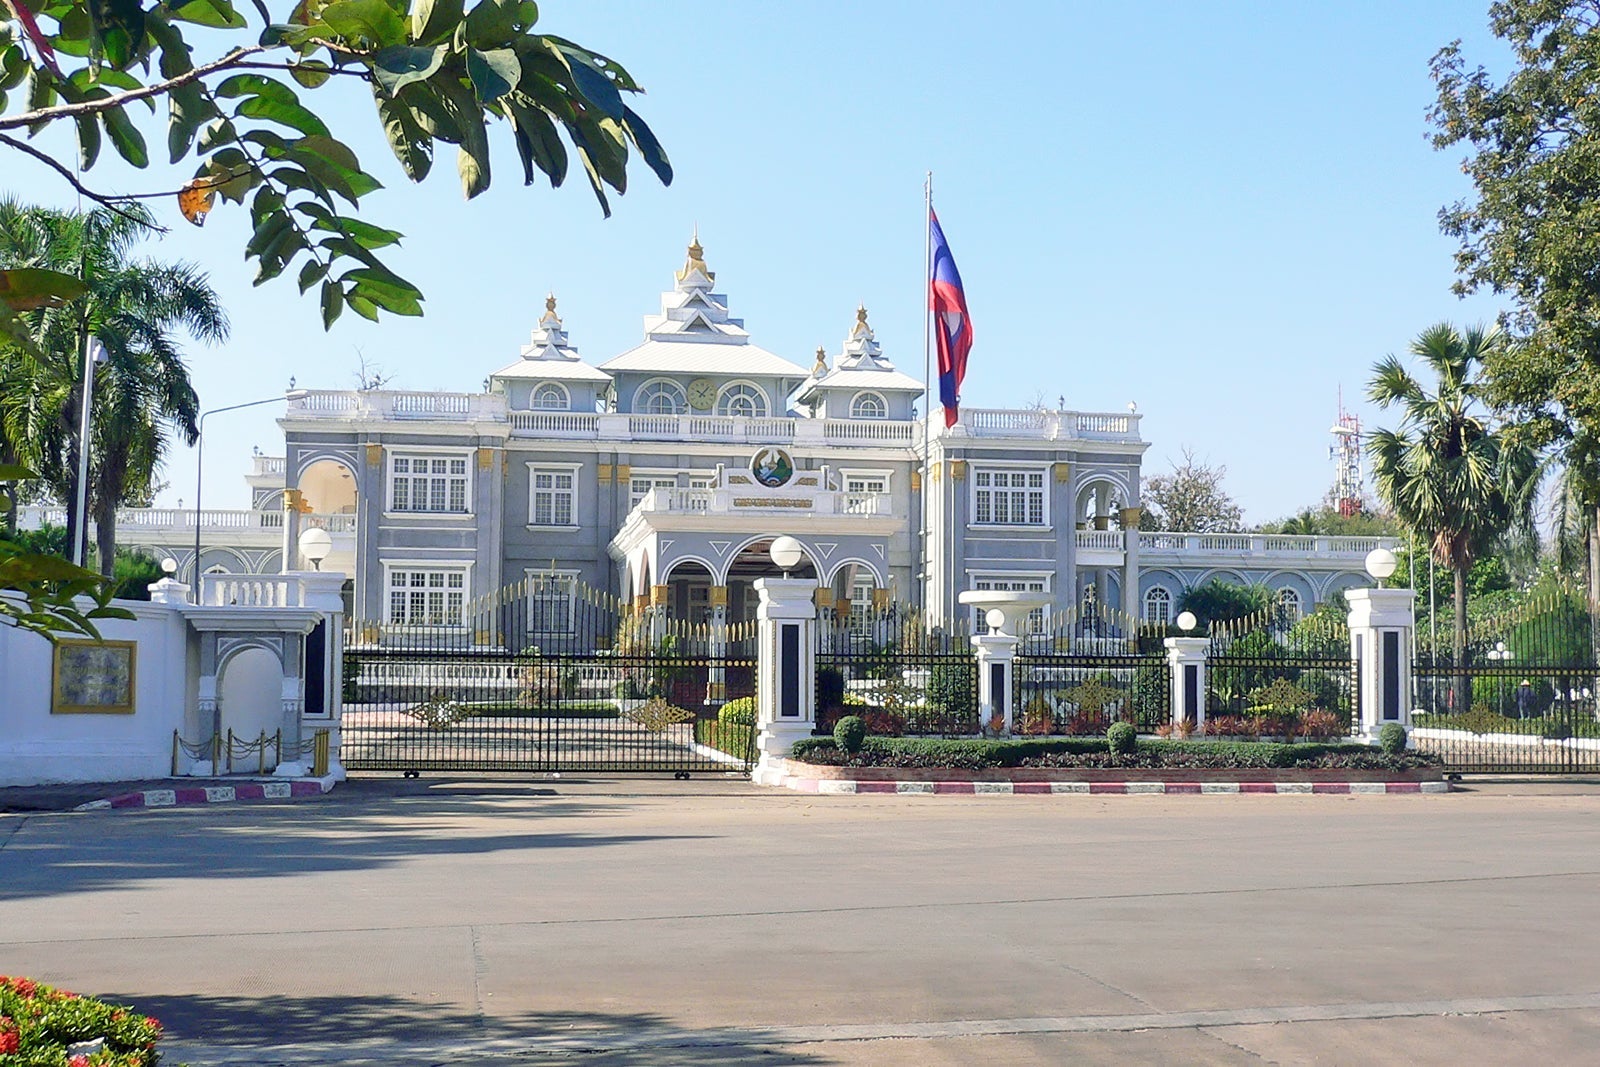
[(706, 922)]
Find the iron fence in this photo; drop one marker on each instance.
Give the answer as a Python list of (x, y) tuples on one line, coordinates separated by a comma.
[(545, 675), (883, 664), (1275, 673)]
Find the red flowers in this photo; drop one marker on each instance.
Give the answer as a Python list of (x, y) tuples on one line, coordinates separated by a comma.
[(39, 1023)]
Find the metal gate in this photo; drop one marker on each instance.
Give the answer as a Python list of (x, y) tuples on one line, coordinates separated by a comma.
[(1519, 697), (545, 675), (1084, 671), (883, 663), (1275, 673)]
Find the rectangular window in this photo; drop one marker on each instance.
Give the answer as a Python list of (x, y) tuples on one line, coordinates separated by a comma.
[(429, 597), (640, 486), (864, 483), (1008, 498), (429, 484), (552, 496), (552, 603)]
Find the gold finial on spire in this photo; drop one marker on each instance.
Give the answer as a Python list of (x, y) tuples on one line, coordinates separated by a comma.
[(822, 363), (550, 303), (861, 314), (696, 260), (550, 317)]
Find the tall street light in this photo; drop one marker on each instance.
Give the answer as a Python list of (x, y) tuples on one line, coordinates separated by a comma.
[(199, 468), (94, 354)]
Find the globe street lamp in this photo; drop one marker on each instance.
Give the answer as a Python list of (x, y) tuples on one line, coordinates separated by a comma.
[(1503, 655), (1381, 563), (786, 553), (315, 544)]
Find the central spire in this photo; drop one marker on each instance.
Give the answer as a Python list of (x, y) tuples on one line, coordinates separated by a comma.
[(695, 262)]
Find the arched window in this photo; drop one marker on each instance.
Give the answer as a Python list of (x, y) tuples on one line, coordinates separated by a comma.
[(660, 397), (1158, 605), (1289, 606), (744, 399), (868, 406), (548, 396)]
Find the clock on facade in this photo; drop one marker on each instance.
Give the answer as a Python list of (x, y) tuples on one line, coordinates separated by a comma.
[(702, 394)]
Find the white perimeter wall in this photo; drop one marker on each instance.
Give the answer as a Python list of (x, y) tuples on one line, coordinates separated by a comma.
[(37, 747)]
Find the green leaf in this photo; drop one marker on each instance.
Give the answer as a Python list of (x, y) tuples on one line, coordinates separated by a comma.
[(588, 79), (310, 274), (492, 23), (187, 108), (256, 85), (217, 14), (333, 164), (373, 21), (654, 155), (88, 140), (494, 73), (411, 144), (434, 20), (362, 306), (543, 141), (399, 66), (311, 73), (118, 26), (397, 299), (29, 288), (332, 304), (474, 172), (293, 115)]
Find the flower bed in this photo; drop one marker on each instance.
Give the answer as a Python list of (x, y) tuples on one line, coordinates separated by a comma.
[(46, 1026), (1082, 758)]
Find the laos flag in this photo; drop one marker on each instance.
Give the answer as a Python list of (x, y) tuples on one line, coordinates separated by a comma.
[(952, 327)]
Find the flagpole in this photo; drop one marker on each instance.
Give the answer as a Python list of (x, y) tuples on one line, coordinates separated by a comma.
[(927, 379)]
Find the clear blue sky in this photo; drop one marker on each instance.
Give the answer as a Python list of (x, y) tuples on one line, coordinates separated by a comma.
[(1223, 212)]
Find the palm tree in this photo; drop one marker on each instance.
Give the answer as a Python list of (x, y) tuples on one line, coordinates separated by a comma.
[(1451, 473), (134, 307)]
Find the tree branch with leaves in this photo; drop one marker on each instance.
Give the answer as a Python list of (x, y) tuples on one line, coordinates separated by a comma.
[(440, 76)]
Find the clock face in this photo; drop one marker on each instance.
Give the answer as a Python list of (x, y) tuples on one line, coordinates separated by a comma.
[(702, 394)]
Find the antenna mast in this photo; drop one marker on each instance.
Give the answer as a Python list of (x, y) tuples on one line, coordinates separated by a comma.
[(1348, 485)]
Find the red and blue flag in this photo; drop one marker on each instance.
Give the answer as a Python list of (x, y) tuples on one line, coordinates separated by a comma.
[(952, 326)]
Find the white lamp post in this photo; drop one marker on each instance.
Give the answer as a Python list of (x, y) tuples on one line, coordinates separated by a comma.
[(1186, 621), (94, 354), (315, 544), (1503, 655)]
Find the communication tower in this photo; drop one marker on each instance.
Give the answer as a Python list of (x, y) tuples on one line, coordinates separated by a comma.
[(1346, 455)]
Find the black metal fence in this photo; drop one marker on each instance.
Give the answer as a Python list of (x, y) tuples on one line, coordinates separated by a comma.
[(545, 675), (1079, 672), (882, 663), (1518, 695), (1272, 673)]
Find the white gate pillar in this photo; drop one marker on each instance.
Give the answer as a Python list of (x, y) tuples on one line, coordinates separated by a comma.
[(1382, 629), (1187, 658), (996, 658), (786, 671)]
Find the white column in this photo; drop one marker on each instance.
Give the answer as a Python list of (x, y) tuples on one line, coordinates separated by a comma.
[(324, 590), (996, 653), (1187, 658), (786, 671), (1381, 632)]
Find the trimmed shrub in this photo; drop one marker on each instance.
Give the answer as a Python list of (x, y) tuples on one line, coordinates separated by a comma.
[(968, 754), (1121, 738), (39, 1023), (740, 712), (734, 739), (849, 732), (953, 688), (1392, 738)]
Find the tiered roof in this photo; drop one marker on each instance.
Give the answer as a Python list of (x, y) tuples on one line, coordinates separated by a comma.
[(549, 356)]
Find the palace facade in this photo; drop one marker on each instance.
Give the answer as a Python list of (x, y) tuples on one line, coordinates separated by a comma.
[(662, 475)]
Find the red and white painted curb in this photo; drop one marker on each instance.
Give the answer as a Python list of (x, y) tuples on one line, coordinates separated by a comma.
[(851, 787), (213, 794)]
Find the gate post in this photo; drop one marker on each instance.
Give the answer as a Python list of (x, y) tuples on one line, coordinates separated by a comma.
[(1187, 658), (786, 671), (1381, 640), (996, 658)]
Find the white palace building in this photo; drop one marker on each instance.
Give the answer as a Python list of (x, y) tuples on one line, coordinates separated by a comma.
[(664, 472)]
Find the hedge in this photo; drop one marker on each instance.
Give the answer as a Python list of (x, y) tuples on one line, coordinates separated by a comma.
[(734, 739), (1093, 752), (38, 1023)]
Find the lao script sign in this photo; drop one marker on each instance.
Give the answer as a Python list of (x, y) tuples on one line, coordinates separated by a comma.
[(94, 677)]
